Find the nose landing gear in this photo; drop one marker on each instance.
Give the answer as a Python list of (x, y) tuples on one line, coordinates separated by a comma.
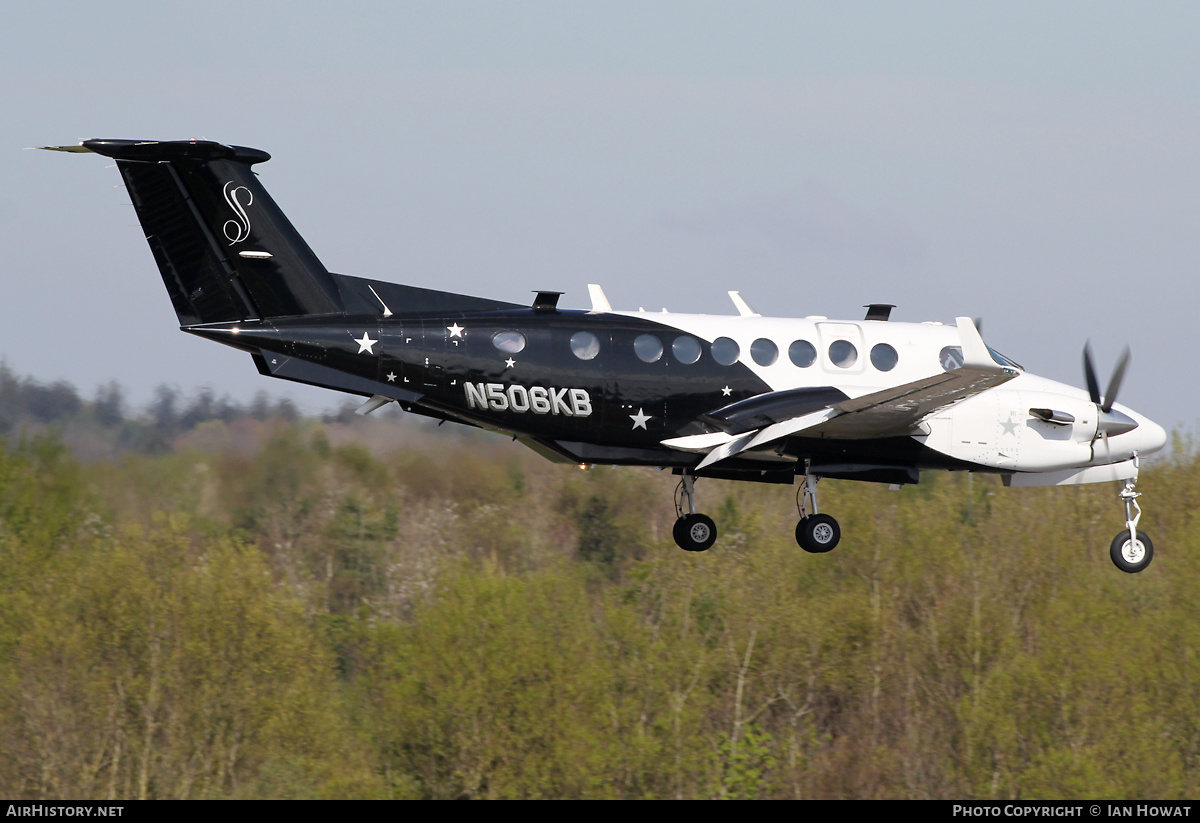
[(692, 532), (1131, 550), (816, 533)]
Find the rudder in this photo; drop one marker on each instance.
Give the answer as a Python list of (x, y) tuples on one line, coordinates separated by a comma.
[(225, 250)]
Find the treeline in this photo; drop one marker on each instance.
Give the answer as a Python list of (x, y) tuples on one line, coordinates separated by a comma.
[(25, 400), (340, 612), (108, 424)]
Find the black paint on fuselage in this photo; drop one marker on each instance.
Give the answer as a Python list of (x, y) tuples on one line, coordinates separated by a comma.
[(426, 363)]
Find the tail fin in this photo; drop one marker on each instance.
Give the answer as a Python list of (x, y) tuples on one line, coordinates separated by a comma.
[(225, 250)]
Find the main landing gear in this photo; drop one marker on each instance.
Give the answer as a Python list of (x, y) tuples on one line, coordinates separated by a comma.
[(1131, 550), (692, 532), (816, 533)]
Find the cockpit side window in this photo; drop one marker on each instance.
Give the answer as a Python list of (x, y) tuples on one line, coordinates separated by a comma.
[(951, 358)]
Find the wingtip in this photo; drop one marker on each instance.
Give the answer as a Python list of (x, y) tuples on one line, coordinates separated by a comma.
[(975, 351)]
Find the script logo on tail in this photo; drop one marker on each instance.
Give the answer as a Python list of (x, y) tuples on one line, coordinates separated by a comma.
[(237, 229)]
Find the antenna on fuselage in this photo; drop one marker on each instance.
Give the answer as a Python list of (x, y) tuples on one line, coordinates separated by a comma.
[(743, 308), (599, 298)]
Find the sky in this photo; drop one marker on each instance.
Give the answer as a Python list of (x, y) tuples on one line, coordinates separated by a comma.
[(1033, 164)]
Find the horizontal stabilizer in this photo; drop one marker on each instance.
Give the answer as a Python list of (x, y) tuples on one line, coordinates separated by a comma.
[(79, 149)]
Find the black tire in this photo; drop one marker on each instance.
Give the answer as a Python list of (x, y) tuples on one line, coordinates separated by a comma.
[(1131, 559), (818, 533), (694, 532)]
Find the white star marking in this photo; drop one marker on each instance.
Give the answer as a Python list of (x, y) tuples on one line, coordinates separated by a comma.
[(391, 377), (639, 419), (455, 330), (725, 392), (365, 344), (510, 362)]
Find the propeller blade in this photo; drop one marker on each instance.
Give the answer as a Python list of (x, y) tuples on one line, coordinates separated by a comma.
[(1114, 383), (1089, 374)]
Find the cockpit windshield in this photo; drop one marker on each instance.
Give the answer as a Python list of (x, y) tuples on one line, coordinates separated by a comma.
[(1005, 361)]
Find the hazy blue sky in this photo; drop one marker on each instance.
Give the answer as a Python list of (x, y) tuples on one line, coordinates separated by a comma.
[(1034, 163)]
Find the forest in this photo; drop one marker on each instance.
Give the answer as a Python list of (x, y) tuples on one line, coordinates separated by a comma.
[(206, 600)]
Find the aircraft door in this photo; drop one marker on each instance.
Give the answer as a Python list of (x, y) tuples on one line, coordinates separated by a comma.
[(841, 349), (431, 359)]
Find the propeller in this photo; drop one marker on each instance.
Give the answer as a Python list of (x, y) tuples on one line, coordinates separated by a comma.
[(1108, 422)]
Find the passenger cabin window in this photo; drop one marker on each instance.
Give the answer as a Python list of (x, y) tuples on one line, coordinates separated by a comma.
[(802, 353), (585, 345), (764, 352), (725, 351), (884, 357), (509, 342), (951, 358), (686, 349), (648, 348), (843, 354)]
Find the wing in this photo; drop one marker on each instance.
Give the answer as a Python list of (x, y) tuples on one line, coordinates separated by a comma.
[(893, 411)]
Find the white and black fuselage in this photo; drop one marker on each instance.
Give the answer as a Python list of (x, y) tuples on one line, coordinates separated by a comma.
[(741, 397)]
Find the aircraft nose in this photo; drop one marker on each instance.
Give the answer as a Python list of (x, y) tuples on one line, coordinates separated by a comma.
[(1151, 436), (1133, 431)]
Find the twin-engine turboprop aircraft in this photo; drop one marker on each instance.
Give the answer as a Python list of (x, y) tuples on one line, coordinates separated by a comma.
[(740, 397)]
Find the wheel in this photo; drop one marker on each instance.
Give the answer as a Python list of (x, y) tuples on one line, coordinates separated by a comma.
[(818, 533), (694, 532), (1130, 555)]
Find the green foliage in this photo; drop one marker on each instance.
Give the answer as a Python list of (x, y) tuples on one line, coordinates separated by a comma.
[(157, 667), (745, 765), (273, 609)]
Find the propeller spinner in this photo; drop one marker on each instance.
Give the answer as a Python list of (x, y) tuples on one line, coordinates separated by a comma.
[(1109, 422)]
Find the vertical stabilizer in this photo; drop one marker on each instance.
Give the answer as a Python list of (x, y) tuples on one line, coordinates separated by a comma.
[(225, 250)]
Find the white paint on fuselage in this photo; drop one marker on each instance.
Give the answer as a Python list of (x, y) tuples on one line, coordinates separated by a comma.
[(917, 345), (993, 429)]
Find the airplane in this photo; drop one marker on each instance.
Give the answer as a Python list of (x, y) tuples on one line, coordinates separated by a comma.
[(741, 397)]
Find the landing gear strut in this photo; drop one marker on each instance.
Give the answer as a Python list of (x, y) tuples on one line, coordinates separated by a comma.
[(816, 533), (1131, 550), (692, 532)]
